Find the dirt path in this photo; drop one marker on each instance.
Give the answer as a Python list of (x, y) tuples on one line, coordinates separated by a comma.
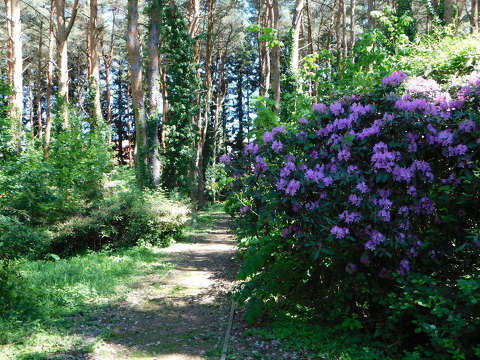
[(182, 315)]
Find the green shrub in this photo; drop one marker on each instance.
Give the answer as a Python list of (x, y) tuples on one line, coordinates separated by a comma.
[(123, 219)]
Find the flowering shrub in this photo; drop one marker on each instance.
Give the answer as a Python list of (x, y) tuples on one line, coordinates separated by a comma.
[(364, 194)]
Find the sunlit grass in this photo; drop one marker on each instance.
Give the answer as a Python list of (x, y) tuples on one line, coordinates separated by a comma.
[(55, 291), (202, 221)]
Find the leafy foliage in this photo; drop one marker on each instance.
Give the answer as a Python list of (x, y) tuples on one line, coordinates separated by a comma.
[(350, 205)]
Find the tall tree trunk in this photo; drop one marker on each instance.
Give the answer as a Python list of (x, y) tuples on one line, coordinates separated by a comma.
[(15, 72), (370, 8), (39, 85), (447, 11), (263, 49), (129, 126), (353, 5), (208, 85), (296, 23), (474, 16), (48, 121), (344, 29), (107, 61), (94, 68), (309, 29), (221, 93), (63, 31), (275, 57), (120, 114), (138, 102), (30, 103), (338, 30), (154, 93), (331, 25), (163, 85)]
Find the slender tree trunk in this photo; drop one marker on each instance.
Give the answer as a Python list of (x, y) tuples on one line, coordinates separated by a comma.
[(208, 85), (331, 25), (163, 85), (344, 29), (275, 57), (138, 102), (474, 16), (263, 49), (309, 28), (220, 99), (48, 121), (39, 85), (107, 61), (63, 31), (353, 5), (120, 114), (447, 11), (338, 30), (370, 8), (94, 68), (296, 23), (154, 93), (15, 68), (30, 103), (129, 126)]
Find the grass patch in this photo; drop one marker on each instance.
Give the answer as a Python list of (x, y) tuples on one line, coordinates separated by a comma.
[(320, 341), (75, 288), (202, 221)]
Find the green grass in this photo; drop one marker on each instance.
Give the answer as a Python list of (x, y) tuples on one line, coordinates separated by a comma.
[(324, 342), (202, 221), (55, 292)]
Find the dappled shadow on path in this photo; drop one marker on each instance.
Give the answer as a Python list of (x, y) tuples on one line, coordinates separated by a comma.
[(182, 316)]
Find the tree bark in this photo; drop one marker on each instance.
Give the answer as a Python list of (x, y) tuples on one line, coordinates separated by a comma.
[(129, 126), (63, 31), (353, 5), (94, 68), (107, 61), (296, 23), (263, 49), (30, 104), (48, 121), (163, 85), (474, 16), (344, 29), (154, 94), (370, 8), (138, 101), (15, 70), (275, 56), (447, 11), (39, 89), (309, 28)]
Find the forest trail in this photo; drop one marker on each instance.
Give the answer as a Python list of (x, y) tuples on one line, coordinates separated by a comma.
[(184, 314)]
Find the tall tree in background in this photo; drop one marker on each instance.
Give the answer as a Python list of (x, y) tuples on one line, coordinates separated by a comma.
[(15, 68), (63, 32), (48, 117), (138, 101), (94, 66), (296, 23), (474, 16), (275, 56), (154, 92)]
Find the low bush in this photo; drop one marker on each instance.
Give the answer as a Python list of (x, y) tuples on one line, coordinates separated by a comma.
[(368, 209), (120, 220)]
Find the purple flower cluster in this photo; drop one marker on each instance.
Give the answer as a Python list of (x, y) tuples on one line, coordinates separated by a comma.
[(292, 187), (320, 108), (422, 86), (277, 146), (251, 148), (394, 79), (339, 232), (260, 165), (350, 217), (225, 159), (382, 158), (376, 238)]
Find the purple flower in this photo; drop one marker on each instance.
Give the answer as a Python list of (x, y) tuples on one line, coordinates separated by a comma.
[(244, 209), (412, 190), (281, 184), (251, 148), (355, 200), (474, 79), (292, 187), (225, 159), (351, 268), (302, 120), (344, 154), (352, 169), (425, 206), (339, 232), (319, 108), (457, 150), (278, 129), (384, 214), (287, 169), (403, 210), (402, 174), (404, 268), (260, 165), (467, 126), (376, 238), (314, 155), (267, 137), (363, 188), (382, 158), (420, 85), (397, 77), (336, 108), (350, 217), (277, 146)]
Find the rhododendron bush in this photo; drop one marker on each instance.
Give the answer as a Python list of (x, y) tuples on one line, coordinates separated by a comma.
[(364, 202)]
